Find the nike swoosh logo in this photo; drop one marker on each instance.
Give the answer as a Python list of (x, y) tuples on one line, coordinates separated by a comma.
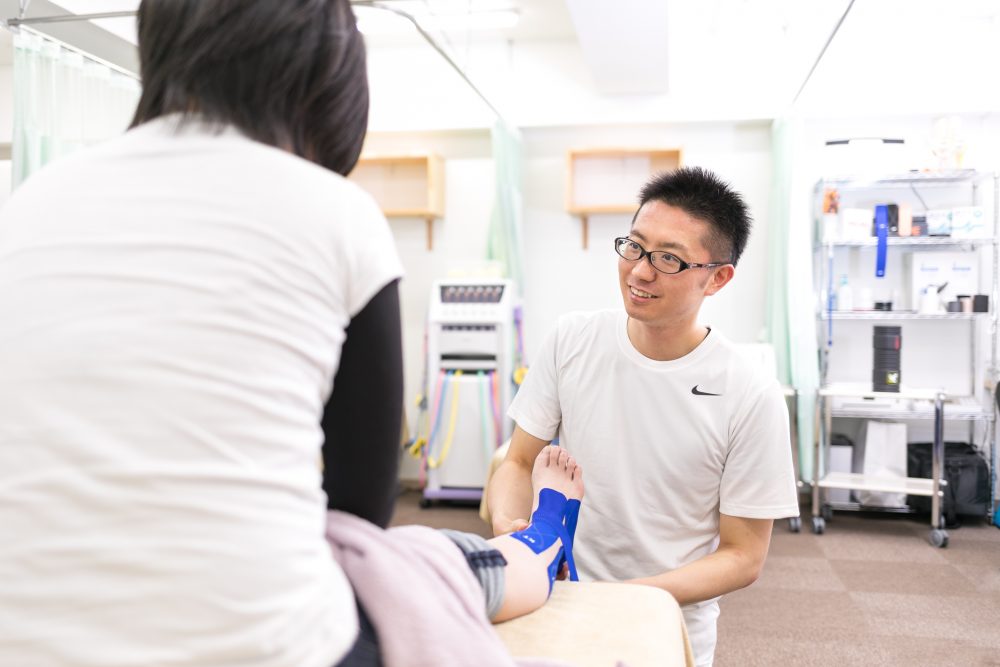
[(697, 392)]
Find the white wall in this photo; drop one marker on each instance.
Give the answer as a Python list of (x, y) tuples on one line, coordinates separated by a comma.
[(6, 103)]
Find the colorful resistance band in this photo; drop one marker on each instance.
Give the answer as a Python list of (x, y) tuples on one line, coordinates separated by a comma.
[(454, 380)]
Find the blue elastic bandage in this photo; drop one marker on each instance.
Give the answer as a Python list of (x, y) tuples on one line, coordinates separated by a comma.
[(572, 515), (547, 526)]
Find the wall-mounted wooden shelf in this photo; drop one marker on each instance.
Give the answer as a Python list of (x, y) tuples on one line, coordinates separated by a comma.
[(606, 181), (405, 186)]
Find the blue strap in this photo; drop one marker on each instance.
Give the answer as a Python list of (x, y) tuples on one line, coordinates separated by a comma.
[(882, 231), (572, 515), (548, 526)]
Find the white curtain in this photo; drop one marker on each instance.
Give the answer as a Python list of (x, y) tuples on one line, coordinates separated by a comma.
[(505, 241), (63, 101), (791, 318)]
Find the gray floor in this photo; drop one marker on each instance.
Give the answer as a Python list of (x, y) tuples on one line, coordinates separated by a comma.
[(870, 591)]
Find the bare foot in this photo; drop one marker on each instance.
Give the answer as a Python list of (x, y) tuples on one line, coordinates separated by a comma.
[(555, 469)]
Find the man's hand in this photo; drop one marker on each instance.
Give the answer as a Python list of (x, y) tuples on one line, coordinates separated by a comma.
[(505, 526)]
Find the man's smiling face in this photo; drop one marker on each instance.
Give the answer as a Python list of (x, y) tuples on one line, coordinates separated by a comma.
[(660, 299)]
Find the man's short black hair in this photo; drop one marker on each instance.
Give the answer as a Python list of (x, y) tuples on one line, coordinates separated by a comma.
[(287, 73), (703, 195)]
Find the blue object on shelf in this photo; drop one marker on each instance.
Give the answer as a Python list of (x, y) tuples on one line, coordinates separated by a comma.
[(882, 231)]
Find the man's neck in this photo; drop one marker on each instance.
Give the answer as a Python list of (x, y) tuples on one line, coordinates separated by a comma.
[(665, 342)]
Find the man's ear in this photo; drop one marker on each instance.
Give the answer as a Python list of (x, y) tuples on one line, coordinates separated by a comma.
[(720, 276)]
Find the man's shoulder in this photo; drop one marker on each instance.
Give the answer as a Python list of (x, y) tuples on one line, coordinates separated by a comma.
[(750, 366)]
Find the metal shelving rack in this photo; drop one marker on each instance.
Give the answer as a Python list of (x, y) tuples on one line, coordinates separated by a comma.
[(894, 315), (911, 403)]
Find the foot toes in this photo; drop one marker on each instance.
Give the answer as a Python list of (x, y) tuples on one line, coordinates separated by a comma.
[(544, 457), (563, 458)]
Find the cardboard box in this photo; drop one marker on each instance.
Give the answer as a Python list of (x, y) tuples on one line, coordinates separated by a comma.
[(856, 223), (969, 222), (959, 269)]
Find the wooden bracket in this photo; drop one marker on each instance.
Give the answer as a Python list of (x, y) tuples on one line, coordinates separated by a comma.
[(430, 233), (585, 228)]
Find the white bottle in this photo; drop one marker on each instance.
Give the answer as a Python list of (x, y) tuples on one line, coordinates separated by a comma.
[(845, 299)]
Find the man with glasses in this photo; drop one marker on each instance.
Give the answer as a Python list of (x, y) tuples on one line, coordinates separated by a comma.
[(685, 443)]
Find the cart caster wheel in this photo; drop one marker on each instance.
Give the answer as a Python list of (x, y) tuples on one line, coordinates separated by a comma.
[(827, 513), (939, 538), (819, 525), (425, 503), (795, 524)]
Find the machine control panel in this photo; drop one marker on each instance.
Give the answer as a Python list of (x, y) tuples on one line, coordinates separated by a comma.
[(471, 301), (471, 293)]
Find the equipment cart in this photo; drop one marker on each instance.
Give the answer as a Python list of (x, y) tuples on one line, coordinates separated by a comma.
[(924, 404)]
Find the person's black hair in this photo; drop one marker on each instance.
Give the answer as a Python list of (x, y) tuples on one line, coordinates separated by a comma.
[(287, 73), (703, 195)]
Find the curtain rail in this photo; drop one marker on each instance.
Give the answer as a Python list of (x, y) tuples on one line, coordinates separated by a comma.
[(75, 49), (62, 18), (434, 45)]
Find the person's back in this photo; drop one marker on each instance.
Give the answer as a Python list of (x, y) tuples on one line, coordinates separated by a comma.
[(171, 325)]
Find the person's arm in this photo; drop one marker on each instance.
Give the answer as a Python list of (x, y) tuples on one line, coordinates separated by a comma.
[(363, 417), (509, 494), (735, 564)]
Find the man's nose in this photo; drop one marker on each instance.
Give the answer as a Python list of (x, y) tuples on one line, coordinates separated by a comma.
[(643, 270)]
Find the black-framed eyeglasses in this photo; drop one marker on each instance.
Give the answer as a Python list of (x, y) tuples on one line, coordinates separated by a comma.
[(662, 261)]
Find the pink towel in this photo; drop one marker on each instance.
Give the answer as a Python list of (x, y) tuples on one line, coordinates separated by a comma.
[(427, 608)]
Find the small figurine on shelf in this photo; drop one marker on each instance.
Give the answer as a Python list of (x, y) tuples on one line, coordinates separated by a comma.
[(831, 200), (831, 214)]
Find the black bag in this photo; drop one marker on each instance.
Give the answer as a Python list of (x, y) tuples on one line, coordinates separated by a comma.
[(967, 473)]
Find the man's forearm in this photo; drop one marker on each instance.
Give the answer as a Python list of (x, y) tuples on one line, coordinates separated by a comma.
[(713, 575), (508, 496)]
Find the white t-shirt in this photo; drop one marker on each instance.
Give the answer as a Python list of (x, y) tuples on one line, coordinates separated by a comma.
[(173, 308), (660, 460)]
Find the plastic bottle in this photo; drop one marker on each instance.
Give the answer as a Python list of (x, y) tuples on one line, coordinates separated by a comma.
[(845, 299)]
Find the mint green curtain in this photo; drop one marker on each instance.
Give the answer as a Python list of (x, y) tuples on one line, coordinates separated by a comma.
[(791, 317), (63, 101), (504, 242)]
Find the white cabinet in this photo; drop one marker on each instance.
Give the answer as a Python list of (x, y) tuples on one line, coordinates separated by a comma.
[(405, 186)]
